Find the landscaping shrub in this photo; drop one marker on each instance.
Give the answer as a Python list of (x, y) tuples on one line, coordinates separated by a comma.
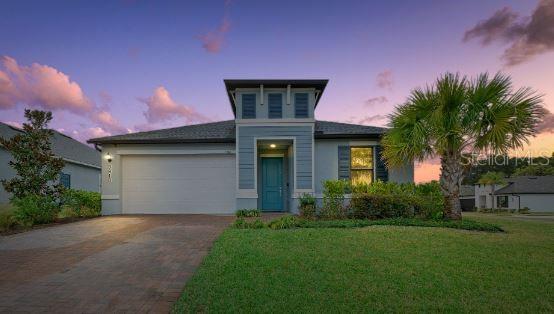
[(78, 203), (248, 212), (307, 206), (333, 199), (284, 222), (33, 209), (426, 198), (7, 220), (368, 206), (241, 223)]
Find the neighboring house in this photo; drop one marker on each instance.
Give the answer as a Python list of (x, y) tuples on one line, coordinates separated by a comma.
[(533, 192), (273, 152), (467, 197), (82, 163)]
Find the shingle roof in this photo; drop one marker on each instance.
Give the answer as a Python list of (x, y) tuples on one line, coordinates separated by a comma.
[(224, 131), (62, 146), (529, 185)]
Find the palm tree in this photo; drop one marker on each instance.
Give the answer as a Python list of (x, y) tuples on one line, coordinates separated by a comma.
[(457, 116)]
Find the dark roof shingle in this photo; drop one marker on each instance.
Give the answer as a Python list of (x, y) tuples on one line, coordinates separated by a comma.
[(62, 146), (224, 131), (529, 185)]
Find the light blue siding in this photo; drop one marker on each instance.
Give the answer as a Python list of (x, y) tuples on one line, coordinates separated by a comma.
[(303, 158)]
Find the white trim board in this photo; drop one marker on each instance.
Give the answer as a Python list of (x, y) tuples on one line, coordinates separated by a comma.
[(176, 152)]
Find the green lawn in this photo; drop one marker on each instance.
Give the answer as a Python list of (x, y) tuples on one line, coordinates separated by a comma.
[(378, 269)]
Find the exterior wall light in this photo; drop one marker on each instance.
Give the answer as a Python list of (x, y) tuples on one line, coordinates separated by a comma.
[(109, 159), (272, 145)]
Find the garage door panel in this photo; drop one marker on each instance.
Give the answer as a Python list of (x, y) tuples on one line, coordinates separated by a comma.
[(178, 184)]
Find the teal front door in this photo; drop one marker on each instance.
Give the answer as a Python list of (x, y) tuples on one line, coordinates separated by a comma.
[(272, 183)]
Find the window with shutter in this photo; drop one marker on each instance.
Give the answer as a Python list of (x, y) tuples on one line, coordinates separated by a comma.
[(249, 106), (275, 104), (301, 105), (361, 165)]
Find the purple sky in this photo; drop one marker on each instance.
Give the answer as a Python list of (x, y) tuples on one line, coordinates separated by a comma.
[(112, 66)]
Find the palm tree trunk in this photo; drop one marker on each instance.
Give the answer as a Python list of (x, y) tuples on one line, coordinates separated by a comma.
[(450, 181)]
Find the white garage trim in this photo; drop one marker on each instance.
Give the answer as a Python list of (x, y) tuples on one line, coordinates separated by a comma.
[(176, 152), (178, 184)]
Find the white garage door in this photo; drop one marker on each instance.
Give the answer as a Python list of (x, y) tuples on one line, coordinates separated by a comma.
[(178, 184)]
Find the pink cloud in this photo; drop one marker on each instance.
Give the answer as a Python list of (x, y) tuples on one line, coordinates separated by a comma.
[(161, 107), (41, 86), (107, 121), (213, 41), (385, 79), (45, 87)]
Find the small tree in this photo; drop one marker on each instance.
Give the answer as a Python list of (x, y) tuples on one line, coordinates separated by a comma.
[(37, 168)]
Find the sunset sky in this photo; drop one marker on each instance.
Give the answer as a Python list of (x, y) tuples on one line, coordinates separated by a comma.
[(109, 67)]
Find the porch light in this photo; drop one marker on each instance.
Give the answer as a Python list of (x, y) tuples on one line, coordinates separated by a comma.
[(272, 145), (108, 157)]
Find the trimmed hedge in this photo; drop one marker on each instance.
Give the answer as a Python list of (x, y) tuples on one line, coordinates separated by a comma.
[(367, 206)]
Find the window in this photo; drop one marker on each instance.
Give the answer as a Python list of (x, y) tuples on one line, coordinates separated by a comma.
[(301, 105), (502, 201), (361, 165), (275, 104), (249, 106), (65, 180)]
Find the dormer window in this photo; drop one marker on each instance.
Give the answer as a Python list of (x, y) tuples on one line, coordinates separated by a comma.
[(301, 105), (275, 105), (249, 106)]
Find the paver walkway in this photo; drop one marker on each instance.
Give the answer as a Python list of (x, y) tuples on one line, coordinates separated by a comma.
[(108, 264)]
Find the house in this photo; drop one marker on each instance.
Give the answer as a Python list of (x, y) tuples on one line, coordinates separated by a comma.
[(533, 192), (267, 157), (82, 162), (467, 197)]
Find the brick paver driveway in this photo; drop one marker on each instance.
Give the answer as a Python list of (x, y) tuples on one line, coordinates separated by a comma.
[(107, 264)]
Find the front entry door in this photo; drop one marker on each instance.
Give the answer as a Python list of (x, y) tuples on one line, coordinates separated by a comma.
[(272, 183)]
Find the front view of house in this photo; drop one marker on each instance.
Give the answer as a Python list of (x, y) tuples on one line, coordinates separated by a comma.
[(273, 152)]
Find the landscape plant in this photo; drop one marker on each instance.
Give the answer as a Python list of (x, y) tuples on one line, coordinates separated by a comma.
[(456, 116), (253, 212), (307, 206), (37, 168), (333, 199)]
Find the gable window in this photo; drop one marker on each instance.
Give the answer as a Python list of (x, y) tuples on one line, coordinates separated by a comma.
[(502, 201), (65, 180), (275, 103), (361, 165), (301, 105), (249, 106)]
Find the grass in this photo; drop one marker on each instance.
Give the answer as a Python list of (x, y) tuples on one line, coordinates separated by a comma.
[(378, 269)]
